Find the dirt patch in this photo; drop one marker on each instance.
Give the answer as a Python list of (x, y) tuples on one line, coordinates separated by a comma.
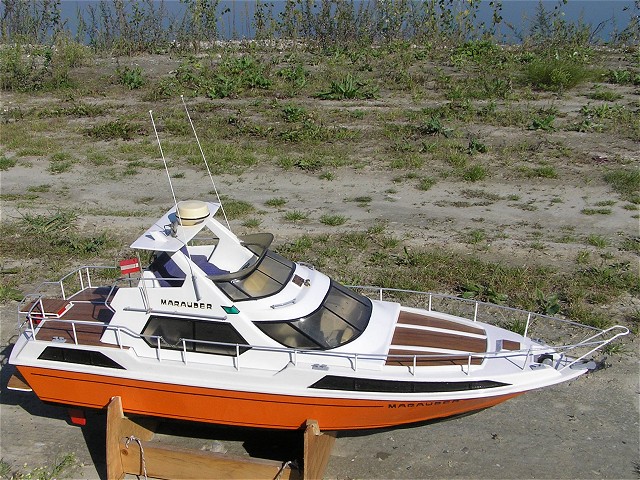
[(586, 429)]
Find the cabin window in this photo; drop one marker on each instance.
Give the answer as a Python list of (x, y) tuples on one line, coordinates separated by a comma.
[(74, 355), (201, 336), (268, 278), (341, 318)]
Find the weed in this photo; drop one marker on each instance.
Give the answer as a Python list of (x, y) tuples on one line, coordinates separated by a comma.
[(7, 293), (475, 173), (483, 293), (237, 208), (623, 76), (555, 74), (348, 88), (45, 187), (276, 202), (543, 123), (132, 78), (57, 167), (426, 183), (7, 163), (544, 171), (293, 113), (517, 326), (296, 216), (596, 211), (475, 236), (583, 257), (117, 129), (333, 220), (631, 244), (475, 146), (604, 94), (433, 126), (614, 349), (597, 241), (547, 304), (625, 182), (252, 223)]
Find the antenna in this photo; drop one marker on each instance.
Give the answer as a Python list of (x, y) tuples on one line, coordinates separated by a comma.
[(224, 214), (175, 202), (166, 169)]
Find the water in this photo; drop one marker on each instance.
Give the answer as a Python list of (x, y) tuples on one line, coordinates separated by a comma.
[(237, 22)]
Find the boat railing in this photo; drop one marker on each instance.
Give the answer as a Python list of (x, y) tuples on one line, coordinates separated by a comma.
[(520, 358), (553, 330), (67, 287)]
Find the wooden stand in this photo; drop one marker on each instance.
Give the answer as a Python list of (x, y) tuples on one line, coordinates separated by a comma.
[(129, 452)]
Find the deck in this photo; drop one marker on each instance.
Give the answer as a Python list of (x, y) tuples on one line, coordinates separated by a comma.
[(88, 305), (418, 334)]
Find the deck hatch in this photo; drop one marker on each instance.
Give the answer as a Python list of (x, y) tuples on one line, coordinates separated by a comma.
[(332, 382), (74, 355)]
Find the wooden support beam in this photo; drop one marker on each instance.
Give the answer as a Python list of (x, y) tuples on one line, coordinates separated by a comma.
[(129, 451), (317, 449)]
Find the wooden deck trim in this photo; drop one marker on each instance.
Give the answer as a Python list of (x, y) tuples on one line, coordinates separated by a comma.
[(93, 295), (86, 334), (413, 337), (86, 306), (405, 359), (410, 318)]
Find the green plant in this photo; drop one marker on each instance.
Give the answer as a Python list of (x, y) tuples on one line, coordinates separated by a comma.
[(276, 202), (333, 220), (348, 87), (547, 305), (474, 173), (483, 293), (426, 183), (625, 182), (132, 78), (555, 74), (252, 223), (596, 211), (475, 236), (296, 216), (604, 94), (542, 123), (237, 208), (475, 146), (517, 326), (597, 241), (116, 129), (7, 163)]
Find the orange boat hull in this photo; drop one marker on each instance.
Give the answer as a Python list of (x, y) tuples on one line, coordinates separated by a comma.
[(239, 408)]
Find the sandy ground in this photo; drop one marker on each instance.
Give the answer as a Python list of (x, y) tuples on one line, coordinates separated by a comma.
[(588, 428)]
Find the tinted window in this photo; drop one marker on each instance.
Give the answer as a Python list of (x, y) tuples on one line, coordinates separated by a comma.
[(268, 278), (72, 355), (173, 330), (340, 319)]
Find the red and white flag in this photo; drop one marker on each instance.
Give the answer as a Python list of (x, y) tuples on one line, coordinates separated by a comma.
[(132, 265)]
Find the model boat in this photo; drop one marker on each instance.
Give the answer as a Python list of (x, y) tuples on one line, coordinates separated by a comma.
[(219, 328)]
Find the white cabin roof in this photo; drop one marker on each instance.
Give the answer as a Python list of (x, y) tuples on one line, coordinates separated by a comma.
[(162, 237)]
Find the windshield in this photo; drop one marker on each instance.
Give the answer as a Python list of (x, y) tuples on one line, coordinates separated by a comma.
[(267, 278), (340, 319)]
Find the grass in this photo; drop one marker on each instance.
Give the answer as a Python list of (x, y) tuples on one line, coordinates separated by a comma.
[(333, 220), (64, 467), (296, 216), (625, 182), (7, 163), (276, 202)]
